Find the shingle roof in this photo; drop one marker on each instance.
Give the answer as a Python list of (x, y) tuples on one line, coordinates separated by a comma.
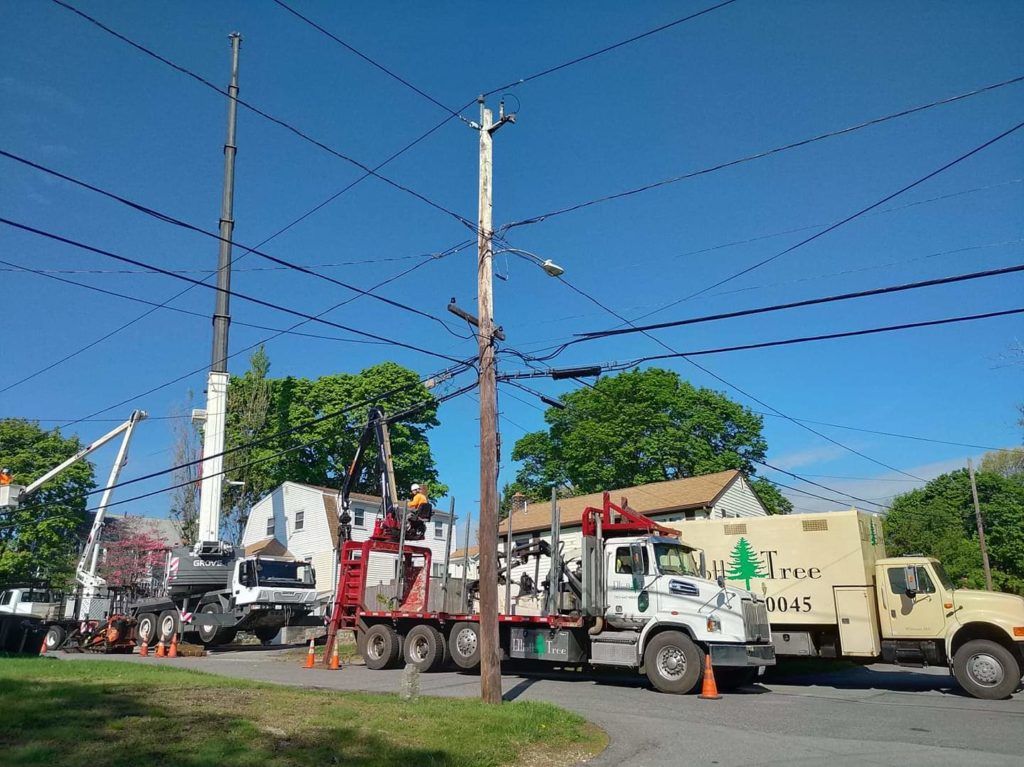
[(657, 497), (269, 546), (458, 554)]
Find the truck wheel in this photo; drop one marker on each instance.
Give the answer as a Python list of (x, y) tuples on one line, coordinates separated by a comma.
[(145, 629), (673, 663), (425, 649), (381, 647), (55, 637), (986, 669), (168, 625), (464, 645), (211, 634)]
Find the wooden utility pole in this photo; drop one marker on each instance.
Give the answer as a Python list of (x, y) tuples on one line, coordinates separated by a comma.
[(981, 526), (490, 652)]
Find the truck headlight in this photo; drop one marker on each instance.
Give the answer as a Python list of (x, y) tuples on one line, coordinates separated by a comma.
[(714, 625)]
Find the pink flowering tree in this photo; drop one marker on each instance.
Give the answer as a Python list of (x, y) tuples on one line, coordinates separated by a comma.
[(132, 556)]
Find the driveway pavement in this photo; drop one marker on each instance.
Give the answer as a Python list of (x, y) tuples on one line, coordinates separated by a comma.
[(876, 715)]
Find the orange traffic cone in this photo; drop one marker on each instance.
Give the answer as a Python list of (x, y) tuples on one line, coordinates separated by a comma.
[(709, 690), (335, 663), (160, 652), (42, 650), (144, 648), (174, 646), (310, 656)]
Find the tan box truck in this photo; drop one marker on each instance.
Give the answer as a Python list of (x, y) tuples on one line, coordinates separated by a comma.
[(831, 592)]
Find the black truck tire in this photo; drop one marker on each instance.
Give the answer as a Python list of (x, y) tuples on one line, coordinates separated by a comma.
[(986, 669), (673, 663), (424, 648), (145, 629), (211, 634), (168, 625), (464, 645), (55, 637), (381, 646)]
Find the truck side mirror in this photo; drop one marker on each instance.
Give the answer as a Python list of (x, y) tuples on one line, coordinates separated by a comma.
[(703, 565), (636, 556), (910, 578)]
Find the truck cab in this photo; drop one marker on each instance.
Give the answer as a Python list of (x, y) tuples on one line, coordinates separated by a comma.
[(655, 585), (275, 580), (924, 618), (37, 602)]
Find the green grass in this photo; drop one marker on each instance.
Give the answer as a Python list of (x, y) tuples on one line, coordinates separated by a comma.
[(106, 714)]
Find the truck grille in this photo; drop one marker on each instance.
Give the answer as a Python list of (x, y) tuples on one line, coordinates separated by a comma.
[(755, 621)]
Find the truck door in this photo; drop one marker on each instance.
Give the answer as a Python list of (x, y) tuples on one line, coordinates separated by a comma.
[(627, 606), (912, 613)]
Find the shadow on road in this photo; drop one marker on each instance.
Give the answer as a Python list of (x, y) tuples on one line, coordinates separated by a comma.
[(863, 678)]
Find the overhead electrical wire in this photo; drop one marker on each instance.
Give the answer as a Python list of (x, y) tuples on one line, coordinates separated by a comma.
[(254, 462), (235, 294), (807, 302), (266, 115), (757, 156), (167, 218)]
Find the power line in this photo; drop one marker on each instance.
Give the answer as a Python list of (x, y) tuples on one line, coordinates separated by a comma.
[(372, 62), (829, 336), (166, 218), (257, 461), (846, 220), (895, 434), (242, 296), (606, 49), (259, 343), (808, 227), (807, 302), (733, 386), (759, 155), (447, 373), (265, 115)]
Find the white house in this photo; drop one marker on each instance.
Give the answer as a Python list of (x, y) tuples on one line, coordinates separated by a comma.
[(302, 521), (710, 496)]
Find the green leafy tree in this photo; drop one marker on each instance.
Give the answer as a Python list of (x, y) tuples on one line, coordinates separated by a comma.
[(39, 540), (938, 520), (320, 453), (1007, 463), (637, 427), (744, 564)]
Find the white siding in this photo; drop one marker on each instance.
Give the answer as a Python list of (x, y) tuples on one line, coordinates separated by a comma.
[(739, 501), (314, 542)]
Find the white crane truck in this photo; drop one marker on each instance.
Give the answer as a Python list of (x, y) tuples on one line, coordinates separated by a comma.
[(831, 592), (634, 599)]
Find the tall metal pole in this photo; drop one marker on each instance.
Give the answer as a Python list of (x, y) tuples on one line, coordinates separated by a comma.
[(217, 381), (981, 526), (465, 566), (490, 652)]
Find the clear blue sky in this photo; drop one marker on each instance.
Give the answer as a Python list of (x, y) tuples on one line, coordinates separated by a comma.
[(748, 77)]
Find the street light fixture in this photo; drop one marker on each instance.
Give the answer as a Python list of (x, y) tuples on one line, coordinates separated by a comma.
[(549, 266)]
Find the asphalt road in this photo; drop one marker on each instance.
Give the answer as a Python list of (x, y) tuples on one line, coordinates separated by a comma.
[(876, 715)]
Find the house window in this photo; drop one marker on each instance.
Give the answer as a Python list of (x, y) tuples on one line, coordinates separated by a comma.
[(438, 568), (439, 528), (300, 519), (357, 517), (270, 526)]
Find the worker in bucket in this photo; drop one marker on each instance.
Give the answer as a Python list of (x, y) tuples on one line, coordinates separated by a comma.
[(6, 477), (420, 512), (419, 497)]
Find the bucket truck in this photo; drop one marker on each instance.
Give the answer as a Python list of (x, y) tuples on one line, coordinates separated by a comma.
[(92, 603), (635, 598)]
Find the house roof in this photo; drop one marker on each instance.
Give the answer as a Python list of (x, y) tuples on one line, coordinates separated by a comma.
[(657, 497), (269, 546), (460, 553)]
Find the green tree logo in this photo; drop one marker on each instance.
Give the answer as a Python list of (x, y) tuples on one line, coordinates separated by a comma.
[(744, 563)]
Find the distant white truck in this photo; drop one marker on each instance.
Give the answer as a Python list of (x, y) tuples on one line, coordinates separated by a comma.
[(831, 592)]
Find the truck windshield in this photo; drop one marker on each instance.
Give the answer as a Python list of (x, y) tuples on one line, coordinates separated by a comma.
[(278, 573), (943, 576), (674, 559)]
